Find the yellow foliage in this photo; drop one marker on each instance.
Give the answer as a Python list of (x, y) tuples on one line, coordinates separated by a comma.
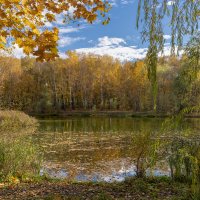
[(14, 180), (24, 21)]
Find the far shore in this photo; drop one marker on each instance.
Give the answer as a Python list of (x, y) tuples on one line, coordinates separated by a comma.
[(89, 113)]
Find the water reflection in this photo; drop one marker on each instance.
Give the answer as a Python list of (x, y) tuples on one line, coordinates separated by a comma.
[(96, 149)]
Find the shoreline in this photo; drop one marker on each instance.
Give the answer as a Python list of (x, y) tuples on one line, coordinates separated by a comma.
[(108, 114)]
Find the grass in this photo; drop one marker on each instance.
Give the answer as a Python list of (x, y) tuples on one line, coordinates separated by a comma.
[(19, 157)]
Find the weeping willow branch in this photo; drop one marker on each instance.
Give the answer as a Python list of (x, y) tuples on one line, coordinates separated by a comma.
[(192, 51), (151, 63), (183, 17)]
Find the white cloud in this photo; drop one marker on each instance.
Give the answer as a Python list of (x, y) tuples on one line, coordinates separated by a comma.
[(120, 52), (90, 41), (70, 29), (123, 2), (114, 48), (65, 41), (15, 51), (106, 41), (127, 1), (62, 55), (113, 2), (170, 3), (123, 53), (167, 37), (18, 51)]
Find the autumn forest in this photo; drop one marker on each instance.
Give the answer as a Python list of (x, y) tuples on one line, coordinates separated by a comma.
[(89, 82)]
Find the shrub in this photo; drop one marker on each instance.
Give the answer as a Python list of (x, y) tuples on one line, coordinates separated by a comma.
[(184, 161)]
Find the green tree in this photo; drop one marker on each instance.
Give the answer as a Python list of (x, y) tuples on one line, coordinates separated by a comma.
[(187, 83)]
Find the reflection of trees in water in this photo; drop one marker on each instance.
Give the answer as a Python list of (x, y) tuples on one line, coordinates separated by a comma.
[(98, 124)]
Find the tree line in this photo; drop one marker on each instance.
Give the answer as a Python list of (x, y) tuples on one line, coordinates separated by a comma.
[(90, 82)]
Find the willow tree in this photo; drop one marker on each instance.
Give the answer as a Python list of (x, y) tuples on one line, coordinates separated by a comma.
[(22, 22), (192, 51), (183, 19)]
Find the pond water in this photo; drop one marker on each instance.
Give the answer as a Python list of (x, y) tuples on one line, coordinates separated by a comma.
[(95, 148)]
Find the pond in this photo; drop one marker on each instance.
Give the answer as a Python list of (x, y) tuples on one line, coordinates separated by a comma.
[(95, 148)]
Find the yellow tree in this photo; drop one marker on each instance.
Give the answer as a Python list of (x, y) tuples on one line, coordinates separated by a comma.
[(23, 22), (70, 72), (10, 71), (141, 85)]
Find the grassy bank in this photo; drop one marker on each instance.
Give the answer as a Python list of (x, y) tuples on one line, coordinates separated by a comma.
[(135, 188), (19, 157)]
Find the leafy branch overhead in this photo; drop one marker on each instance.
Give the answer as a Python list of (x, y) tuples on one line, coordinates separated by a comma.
[(183, 18), (23, 22)]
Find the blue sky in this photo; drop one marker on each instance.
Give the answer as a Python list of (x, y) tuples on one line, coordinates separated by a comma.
[(119, 38)]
